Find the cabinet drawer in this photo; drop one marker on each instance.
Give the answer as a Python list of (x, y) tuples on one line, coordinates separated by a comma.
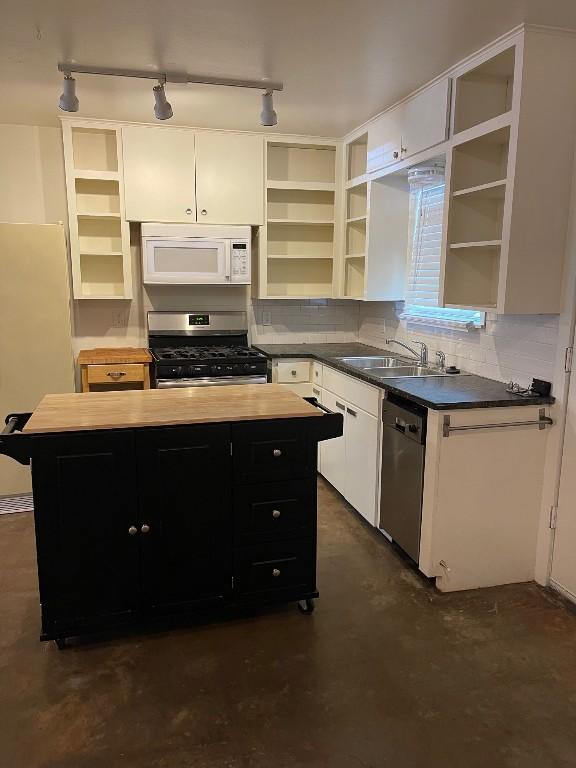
[(273, 451), (352, 390), (117, 373), (317, 374), (275, 510), (267, 569), (293, 371), (303, 390)]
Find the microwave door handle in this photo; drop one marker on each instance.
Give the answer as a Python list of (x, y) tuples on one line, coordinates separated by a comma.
[(228, 260)]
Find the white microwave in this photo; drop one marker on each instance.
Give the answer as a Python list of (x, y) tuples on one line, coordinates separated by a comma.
[(196, 254)]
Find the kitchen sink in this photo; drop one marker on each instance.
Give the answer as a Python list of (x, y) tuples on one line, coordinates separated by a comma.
[(404, 371), (373, 362)]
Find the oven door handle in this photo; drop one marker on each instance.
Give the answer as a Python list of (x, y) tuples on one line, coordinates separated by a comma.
[(209, 382)]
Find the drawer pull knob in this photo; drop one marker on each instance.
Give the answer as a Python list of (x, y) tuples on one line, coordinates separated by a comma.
[(145, 528), (276, 514), (188, 211), (116, 374), (276, 453), (132, 530), (293, 373), (276, 572)]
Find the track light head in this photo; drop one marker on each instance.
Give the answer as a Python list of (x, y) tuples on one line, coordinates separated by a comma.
[(68, 100), (162, 107), (268, 116)]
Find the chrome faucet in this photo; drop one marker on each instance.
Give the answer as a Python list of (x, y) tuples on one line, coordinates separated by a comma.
[(441, 360), (422, 356)]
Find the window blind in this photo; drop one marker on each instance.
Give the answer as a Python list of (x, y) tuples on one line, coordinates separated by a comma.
[(425, 248)]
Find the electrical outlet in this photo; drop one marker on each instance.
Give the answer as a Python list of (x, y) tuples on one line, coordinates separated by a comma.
[(266, 318), (118, 320)]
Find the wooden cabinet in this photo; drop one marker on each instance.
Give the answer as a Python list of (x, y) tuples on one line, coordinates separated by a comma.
[(159, 168), (178, 175), (114, 368), (414, 125), (351, 463), (229, 178)]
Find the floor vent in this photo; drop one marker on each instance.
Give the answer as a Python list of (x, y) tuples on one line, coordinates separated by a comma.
[(11, 504)]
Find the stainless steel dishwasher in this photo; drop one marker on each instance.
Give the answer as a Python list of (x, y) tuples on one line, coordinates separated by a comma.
[(402, 480)]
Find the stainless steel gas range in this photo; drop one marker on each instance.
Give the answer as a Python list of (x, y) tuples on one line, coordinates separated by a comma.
[(198, 349)]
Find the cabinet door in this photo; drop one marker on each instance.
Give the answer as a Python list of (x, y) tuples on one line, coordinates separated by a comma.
[(159, 174), (424, 118), (384, 140), (333, 452), (185, 525), (361, 470), (229, 178), (85, 513)]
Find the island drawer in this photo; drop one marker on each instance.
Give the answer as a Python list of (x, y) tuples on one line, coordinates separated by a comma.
[(275, 511), (273, 450), (266, 569)]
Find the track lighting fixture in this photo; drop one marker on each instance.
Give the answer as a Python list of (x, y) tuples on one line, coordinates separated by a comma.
[(68, 100), (268, 116), (162, 107)]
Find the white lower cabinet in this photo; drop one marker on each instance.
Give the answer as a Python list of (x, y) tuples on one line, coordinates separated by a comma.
[(351, 463)]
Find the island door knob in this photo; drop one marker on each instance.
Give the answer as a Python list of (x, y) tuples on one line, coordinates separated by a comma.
[(132, 530), (276, 514), (276, 572), (145, 528), (276, 453)]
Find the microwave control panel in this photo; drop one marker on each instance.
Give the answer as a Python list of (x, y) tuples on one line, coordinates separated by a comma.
[(240, 262)]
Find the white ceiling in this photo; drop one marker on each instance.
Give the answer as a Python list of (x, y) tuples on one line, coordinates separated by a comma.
[(341, 62)]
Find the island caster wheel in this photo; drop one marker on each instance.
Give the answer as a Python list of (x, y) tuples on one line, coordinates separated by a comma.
[(61, 643), (306, 606)]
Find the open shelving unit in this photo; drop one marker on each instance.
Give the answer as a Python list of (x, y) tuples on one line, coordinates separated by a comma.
[(485, 92), (297, 251), (99, 235), (356, 219)]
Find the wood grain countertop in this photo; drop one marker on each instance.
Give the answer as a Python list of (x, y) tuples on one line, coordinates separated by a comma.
[(160, 407), (112, 355)]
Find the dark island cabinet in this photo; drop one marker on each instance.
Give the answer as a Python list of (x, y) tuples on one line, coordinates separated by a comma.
[(145, 523)]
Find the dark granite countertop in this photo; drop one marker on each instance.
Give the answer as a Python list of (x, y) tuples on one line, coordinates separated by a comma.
[(436, 392)]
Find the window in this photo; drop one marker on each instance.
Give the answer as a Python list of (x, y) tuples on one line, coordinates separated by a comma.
[(424, 249)]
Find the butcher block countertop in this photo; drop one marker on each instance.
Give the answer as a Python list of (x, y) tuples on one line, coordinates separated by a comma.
[(161, 407), (112, 355)]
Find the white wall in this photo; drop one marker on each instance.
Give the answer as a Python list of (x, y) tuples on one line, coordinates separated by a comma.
[(511, 347)]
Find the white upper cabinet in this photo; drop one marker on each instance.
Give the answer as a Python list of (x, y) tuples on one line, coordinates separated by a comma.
[(384, 140), (229, 178), (178, 175), (159, 168), (424, 118), (411, 127)]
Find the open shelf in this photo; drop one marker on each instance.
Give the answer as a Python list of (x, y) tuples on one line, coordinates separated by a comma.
[(357, 201), (300, 205), (471, 278), (301, 163), (492, 189), (354, 267), (356, 157), (485, 91), (302, 186), (99, 235), (480, 162), (294, 278), (297, 256), (477, 244), (356, 236), (296, 239), (305, 222), (97, 197), (475, 219), (102, 276), (94, 149)]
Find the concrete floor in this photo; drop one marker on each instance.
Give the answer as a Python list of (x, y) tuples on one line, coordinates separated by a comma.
[(387, 672)]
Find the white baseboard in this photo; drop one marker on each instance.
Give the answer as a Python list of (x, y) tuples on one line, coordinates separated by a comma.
[(563, 591)]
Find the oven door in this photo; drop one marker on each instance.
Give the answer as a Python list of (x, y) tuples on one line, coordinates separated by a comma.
[(209, 381), (188, 261)]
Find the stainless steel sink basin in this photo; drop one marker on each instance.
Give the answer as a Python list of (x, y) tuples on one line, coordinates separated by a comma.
[(368, 363), (403, 371)]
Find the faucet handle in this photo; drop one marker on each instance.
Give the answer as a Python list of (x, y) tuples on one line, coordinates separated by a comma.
[(441, 360)]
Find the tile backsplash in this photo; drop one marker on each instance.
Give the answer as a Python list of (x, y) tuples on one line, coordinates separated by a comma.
[(511, 347), (305, 321)]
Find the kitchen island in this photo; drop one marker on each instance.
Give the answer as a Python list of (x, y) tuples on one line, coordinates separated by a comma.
[(160, 503)]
